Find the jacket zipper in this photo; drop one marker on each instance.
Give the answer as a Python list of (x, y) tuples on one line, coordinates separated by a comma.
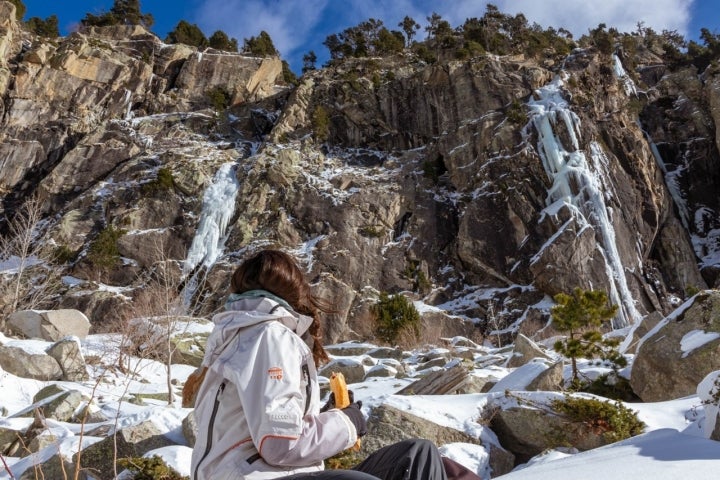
[(208, 445), (308, 386)]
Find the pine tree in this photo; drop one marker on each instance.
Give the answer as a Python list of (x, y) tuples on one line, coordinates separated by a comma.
[(44, 28), (188, 34), (127, 12), (220, 41), (309, 60), (410, 27), (580, 314), (261, 46), (123, 12)]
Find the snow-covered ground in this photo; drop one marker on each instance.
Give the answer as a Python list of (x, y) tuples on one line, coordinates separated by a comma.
[(673, 446)]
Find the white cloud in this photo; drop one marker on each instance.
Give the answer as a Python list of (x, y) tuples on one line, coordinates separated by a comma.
[(288, 22), (578, 16)]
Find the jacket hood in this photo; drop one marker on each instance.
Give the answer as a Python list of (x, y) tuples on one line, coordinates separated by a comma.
[(251, 308)]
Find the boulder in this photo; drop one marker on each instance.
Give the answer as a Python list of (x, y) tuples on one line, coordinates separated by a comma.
[(26, 364), (387, 352), (51, 325), (68, 355), (55, 402), (539, 374), (709, 393), (527, 430), (388, 425), (525, 351), (353, 370), (381, 370), (349, 349), (131, 441), (189, 429), (674, 357)]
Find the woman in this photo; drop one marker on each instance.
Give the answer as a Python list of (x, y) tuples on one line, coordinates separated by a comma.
[(258, 408)]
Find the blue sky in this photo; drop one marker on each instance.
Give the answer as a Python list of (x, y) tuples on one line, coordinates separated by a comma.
[(298, 26)]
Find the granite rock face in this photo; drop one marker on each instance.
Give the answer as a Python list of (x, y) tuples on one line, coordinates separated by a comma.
[(382, 175)]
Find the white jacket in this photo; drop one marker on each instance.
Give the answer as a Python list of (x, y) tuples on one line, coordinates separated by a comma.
[(258, 409)]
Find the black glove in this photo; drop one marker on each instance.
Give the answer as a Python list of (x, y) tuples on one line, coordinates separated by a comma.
[(330, 404), (356, 417)]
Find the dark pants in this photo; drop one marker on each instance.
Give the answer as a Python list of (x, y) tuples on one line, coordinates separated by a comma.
[(414, 459)]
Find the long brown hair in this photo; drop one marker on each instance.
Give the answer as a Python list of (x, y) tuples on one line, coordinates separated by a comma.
[(278, 273)]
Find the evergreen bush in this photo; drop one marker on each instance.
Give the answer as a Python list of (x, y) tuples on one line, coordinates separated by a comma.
[(152, 468), (321, 123), (395, 315), (219, 98), (163, 182), (611, 419), (104, 252)]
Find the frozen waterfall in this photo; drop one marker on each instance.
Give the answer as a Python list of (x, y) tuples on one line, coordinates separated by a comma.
[(218, 209), (574, 182)]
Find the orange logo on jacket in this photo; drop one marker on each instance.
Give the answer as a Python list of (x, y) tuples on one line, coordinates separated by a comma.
[(275, 373)]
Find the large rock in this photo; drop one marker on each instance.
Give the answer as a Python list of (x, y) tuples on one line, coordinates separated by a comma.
[(528, 430), (244, 78), (708, 391), (56, 402), (539, 374), (525, 351), (28, 364), (51, 325), (70, 358), (131, 441), (353, 370), (388, 425), (676, 355)]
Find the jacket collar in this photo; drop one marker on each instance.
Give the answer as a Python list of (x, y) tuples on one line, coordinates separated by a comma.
[(257, 306)]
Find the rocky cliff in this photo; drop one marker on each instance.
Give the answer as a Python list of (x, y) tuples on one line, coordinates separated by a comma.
[(483, 185)]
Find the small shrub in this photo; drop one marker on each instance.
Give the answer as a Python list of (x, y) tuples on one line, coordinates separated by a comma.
[(344, 460), (691, 290), (372, 231), (394, 315), (63, 254), (614, 420), (104, 252), (219, 98), (321, 123), (424, 285), (289, 76), (516, 113), (163, 182), (153, 468), (611, 385), (424, 53)]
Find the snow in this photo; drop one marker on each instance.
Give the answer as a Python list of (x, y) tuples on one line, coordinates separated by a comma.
[(659, 454), (674, 445), (696, 339)]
